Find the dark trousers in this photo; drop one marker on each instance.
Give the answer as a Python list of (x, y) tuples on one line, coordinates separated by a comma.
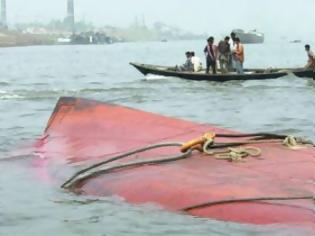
[(211, 63)]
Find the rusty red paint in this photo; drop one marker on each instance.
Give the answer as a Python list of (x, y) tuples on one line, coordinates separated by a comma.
[(81, 132)]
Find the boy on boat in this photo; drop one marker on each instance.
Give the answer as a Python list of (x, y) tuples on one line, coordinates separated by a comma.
[(238, 56), (211, 56), (311, 58)]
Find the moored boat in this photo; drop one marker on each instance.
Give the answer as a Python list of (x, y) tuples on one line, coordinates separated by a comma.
[(276, 187)]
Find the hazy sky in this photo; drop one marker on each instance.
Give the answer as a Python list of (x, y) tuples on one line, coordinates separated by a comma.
[(281, 17)]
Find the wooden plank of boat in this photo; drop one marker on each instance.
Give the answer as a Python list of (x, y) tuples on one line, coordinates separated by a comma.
[(254, 74), (81, 132)]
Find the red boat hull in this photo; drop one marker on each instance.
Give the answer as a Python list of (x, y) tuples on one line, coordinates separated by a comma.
[(82, 132)]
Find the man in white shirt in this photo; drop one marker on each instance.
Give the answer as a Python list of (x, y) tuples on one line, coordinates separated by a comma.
[(196, 62), (232, 48)]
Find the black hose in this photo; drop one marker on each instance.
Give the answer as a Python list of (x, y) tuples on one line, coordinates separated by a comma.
[(75, 178), (257, 135), (229, 201)]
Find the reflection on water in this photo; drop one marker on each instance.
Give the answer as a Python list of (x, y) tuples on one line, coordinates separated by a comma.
[(33, 78)]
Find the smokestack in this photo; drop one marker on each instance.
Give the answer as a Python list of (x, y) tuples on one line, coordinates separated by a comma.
[(3, 14), (70, 16)]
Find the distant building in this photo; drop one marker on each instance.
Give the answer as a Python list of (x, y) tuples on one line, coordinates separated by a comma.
[(36, 31), (69, 21), (3, 23)]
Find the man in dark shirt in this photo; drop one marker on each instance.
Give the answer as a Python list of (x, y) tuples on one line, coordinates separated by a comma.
[(211, 56)]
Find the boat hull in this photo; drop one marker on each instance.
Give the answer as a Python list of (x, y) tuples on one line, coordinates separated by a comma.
[(81, 132), (304, 73), (250, 74)]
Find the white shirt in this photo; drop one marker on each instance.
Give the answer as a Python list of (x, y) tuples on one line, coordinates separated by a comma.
[(232, 45), (197, 63)]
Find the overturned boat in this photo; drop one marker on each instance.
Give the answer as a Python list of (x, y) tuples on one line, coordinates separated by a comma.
[(145, 158), (250, 74)]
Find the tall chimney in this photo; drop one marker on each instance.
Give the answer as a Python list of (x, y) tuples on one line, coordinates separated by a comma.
[(3, 14), (70, 16)]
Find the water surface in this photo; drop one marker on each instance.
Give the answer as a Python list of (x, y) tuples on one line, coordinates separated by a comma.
[(33, 78)]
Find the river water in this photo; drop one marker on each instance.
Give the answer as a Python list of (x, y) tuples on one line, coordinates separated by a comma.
[(33, 78)]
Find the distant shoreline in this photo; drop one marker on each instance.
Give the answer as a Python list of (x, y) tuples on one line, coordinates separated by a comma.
[(10, 38), (32, 44), (13, 45), (16, 39)]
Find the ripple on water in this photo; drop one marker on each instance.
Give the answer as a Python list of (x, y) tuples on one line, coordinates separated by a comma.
[(4, 83), (55, 93), (47, 76), (80, 76), (4, 95)]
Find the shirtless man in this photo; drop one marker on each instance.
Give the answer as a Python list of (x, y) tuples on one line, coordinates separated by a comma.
[(224, 54)]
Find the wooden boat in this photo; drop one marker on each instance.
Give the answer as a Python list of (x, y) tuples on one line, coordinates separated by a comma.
[(303, 73), (250, 74), (274, 188)]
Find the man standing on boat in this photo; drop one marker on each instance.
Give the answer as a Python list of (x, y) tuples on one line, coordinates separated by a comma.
[(311, 58), (224, 54), (211, 56), (232, 48), (238, 56)]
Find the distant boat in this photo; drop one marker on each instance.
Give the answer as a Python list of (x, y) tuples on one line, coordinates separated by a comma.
[(296, 41), (251, 36), (164, 41), (63, 41)]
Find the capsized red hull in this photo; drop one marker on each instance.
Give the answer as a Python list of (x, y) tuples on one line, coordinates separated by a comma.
[(81, 132)]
